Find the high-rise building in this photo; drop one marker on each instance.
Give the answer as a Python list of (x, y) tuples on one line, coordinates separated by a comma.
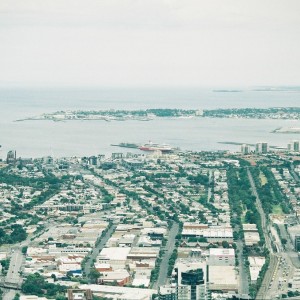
[(245, 149), (297, 243), (190, 282), (262, 148), (295, 146), (11, 157), (93, 160), (167, 292)]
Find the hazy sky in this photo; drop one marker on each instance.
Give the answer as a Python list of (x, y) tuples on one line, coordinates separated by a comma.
[(149, 42)]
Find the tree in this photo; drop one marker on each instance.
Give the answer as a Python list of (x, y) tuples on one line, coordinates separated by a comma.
[(53, 276), (225, 244), (17, 297), (61, 297), (35, 284), (283, 241), (94, 275), (18, 234)]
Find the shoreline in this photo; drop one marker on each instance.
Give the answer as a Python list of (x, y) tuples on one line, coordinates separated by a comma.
[(278, 113)]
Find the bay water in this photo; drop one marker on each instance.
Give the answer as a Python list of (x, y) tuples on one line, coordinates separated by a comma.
[(84, 138)]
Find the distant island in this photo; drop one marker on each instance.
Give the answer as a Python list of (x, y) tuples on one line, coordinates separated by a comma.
[(287, 130), (288, 113), (227, 91)]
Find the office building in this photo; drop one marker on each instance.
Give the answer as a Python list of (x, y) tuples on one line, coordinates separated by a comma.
[(191, 282), (294, 146), (11, 157), (262, 148), (167, 292), (221, 257), (245, 149), (297, 243)]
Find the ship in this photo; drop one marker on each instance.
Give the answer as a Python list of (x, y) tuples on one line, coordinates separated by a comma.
[(126, 145), (156, 147)]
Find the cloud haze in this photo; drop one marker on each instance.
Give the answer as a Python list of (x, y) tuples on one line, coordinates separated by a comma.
[(149, 42)]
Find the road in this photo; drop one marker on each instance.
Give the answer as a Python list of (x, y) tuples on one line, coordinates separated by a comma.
[(293, 173), (9, 294), (289, 247), (282, 264), (209, 192), (243, 275), (263, 291), (170, 246), (13, 277), (97, 249), (264, 224)]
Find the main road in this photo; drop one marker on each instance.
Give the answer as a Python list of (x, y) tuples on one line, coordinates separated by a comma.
[(243, 275), (264, 224), (97, 249), (13, 277), (263, 291), (163, 270)]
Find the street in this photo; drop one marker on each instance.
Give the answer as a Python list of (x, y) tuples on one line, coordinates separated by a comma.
[(97, 249), (281, 269), (263, 291), (13, 277), (163, 270), (9, 294), (243, 274)]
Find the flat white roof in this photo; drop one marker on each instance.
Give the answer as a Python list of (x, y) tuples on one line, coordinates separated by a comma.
[(221, 252), (222, 275), (141, 281), (120, 292), (114, 253)]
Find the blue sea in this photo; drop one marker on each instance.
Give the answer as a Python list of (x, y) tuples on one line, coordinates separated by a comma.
[(82, 138)]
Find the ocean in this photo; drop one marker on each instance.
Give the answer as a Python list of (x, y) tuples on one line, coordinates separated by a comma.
[(84, 138)]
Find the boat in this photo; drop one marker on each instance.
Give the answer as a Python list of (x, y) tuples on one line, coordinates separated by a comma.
[(156, 147), (126, 145)]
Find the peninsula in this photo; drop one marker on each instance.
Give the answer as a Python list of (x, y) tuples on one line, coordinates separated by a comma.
[(284, 113)]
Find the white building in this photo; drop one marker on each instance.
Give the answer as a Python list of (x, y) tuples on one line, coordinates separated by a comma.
[(221, 257)]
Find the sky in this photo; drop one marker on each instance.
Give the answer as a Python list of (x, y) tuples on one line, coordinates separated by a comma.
[(149, 43)]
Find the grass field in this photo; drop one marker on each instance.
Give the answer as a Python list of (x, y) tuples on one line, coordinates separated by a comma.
[(277, 210), (263, 178)]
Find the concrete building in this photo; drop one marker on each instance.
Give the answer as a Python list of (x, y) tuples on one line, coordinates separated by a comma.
[(115, 256), (78, 294), (245, 149), (212, 233), (294, 232), (294, 146), (133, 163), (255, 265), (167, 292), (119, 293), (120, 277), (262, 148), (297, 243), (222, 278), (191, 281), (221, 257), (11, 157), (251, 234)]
